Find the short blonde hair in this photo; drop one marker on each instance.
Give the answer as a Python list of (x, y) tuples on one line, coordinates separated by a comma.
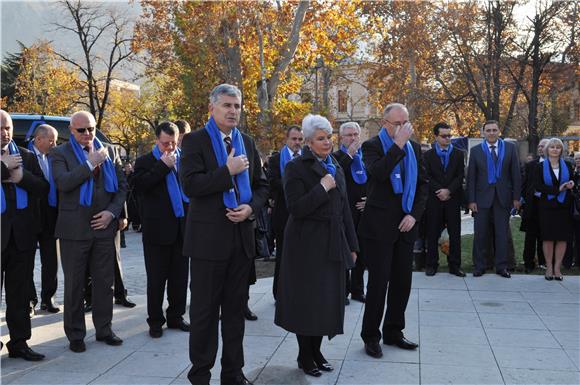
[(551, 142)]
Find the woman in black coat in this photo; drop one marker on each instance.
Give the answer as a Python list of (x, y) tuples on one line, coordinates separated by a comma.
[(554, 180), (320, 243)]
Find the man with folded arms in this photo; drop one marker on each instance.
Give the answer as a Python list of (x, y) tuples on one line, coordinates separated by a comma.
[(92, 191)]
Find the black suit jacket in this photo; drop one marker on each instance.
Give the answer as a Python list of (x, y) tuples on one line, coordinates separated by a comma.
[(541, 186), (383, 211), (354, 190), (159, 224), (209, 233), (280, 211), (452, 179), (24, 224)]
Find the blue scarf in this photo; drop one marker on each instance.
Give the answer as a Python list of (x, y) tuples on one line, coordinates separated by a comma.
[(52, 192), (32, 127), (242, 180), (444, 155), (410, 167), (357, 167), (329, 166), (564, 177), (285, 157), (174, 188), (21, 194), (107, 167), (494, 170)]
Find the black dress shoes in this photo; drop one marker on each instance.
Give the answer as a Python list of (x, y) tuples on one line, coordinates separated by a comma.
[(250, 316), (31, 311), (346, 301), (504, 273), (26, 353), (111, 339), (359, 297), (401, 342), (457, 272), (124, 302), (430, 271), (239, 380), (77, 346), (180, 325), (49, 307), (478, 273), (373, 349), (313, 371), (155, 332)]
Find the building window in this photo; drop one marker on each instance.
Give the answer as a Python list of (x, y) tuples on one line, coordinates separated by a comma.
[(342, 100)]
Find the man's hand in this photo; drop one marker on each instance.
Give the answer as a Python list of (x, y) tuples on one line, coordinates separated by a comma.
[(407, 223), (354, 146), (237, 164), (168, 159), (16, 175), (123, 222), (328, 182), (443, 194), (97, 157), (101, 220), (360, 206), (567, 186), (12, 161), (354, 256), (517, 204), (239, 214), (403, 134), (473, 207)]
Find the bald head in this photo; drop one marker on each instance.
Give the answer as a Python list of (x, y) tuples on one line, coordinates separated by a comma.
[(82, 127), (5, 128), (45, 137)]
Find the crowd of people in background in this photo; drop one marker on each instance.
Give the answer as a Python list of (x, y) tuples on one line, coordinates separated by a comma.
[(207, 205)]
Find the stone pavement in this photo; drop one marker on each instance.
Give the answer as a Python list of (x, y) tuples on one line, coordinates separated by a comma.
[(487, 330)]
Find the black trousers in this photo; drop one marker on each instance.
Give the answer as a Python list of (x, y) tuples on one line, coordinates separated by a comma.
[(279, 236), (165, 266), (355, 277), (499, 216), (390, 264), (16, 277), (533, 245), (49, 268), (218, 285), (77, 257), (440, 214)]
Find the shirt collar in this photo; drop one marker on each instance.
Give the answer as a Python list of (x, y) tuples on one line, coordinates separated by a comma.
[(37, 151), (292, 152), (225, 136), (495, 144)]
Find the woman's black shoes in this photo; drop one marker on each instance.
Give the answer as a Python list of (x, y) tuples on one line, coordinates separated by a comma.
[(314, 371), (549, 277), (560, 278)]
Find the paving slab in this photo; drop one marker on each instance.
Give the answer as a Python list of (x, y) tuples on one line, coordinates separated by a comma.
[(460, 375), (539, 376)]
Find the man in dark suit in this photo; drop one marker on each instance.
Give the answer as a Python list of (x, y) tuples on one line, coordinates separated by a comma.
[(45, 138), (396, 196), (445, 170), (350, 158), (493, 188), (22, 186), (532, 241), (277, 163), (222, 176), (92, 191), (163, 213)]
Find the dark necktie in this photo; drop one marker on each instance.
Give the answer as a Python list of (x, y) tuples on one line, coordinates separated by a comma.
[(228, 142), (97, 168), (295, 154), (493, 154)]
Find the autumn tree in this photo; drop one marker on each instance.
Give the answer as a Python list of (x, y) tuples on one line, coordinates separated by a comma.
[(10, 71)]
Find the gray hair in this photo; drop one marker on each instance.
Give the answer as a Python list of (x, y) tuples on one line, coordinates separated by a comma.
[(346, 125), (311, 123), (394, 106), (577, 154), (43, 129), (551, 142), (224, 89)]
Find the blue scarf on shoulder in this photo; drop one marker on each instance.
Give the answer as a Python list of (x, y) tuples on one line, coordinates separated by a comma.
[(242, 180), (411, 172), (564, 177), (444, 155), (285, 157), (21, 194), (357, 167), (107, 168), (52, 192), (174, 188), (329, 165), (494, 170)]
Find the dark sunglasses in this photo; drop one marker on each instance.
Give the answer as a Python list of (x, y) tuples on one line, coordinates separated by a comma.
[(445, 136), (83, 130)]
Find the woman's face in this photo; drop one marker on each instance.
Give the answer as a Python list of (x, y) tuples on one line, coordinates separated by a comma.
[(320, 143), (554, 150)]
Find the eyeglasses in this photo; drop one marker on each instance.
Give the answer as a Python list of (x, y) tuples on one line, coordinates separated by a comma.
[(446, 136), (83, 130)]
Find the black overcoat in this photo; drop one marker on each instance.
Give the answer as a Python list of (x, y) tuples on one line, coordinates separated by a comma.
[(319, 238)]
